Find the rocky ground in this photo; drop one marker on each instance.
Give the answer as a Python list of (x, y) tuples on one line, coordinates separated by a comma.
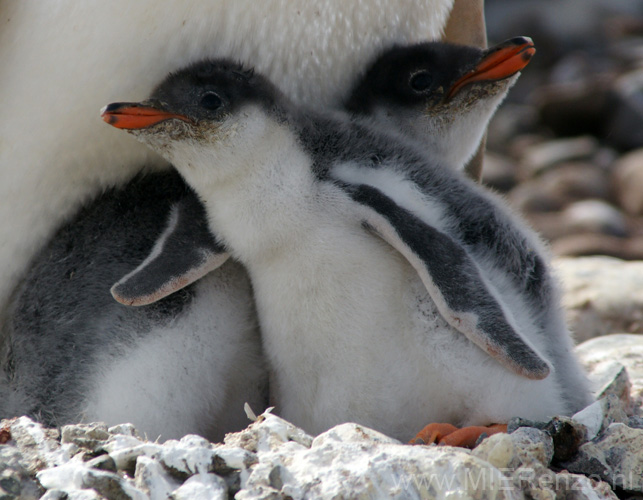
[(567, 146), (596, 454), (567, 150)]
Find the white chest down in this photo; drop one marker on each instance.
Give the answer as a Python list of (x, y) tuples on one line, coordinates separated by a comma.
[(352, 335)]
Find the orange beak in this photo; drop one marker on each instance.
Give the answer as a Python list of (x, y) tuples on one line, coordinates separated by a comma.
[(132, 116), (502, 61)]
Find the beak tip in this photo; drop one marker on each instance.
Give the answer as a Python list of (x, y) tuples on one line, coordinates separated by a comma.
[(518, 41), (107, 113), (527, 54)]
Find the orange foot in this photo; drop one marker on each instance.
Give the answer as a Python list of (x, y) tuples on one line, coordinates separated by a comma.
[(450, 435)]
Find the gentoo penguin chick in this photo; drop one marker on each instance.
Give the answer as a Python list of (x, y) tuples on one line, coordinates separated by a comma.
[(184, 364), (443, 95), (439, 93), (379, 297)]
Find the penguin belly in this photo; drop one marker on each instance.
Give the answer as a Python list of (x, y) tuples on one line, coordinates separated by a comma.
[(352, 335), (191, 374), (70, 352)]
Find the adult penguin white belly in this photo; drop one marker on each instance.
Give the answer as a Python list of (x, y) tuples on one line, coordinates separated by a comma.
[(61, 62)]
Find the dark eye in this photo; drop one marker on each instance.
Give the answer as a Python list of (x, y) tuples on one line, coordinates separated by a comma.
[(421, 81), (211, 101)]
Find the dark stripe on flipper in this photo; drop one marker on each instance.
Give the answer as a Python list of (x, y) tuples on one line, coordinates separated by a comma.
[(458, 279), (187, 250)]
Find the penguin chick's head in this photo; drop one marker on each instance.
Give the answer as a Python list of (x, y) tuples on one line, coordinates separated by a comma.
[(441, 93), (196, 110)]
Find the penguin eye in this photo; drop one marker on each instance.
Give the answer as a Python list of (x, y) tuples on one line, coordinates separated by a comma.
[(421, 81), (211, 101)]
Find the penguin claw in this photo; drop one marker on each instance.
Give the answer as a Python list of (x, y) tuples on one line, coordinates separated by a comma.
[(433, 433), (450, 435)]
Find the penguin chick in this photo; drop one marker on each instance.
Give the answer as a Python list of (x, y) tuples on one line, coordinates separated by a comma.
[(184, 364), (374, 293), (441, 94)]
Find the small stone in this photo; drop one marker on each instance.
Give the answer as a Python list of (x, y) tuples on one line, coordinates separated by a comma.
[(595, 244), (38, 445), (87, 436), (510, 120), (579, 487), (576, 107), (628, 182), (194, 441), (202, 487), (58, 495), (525, 446), (538, 482), (124, 450), (560, 186), (498, 172), (540, 157), (5, 434), (611, 379), (260, 492), (109, 485), (626, 122), (567, 436), (520, 144), (499, 450), (185, 458), (72, 495), (600, 414), (11, 485), (152, 478), (533, 196), (352, 433), (228, 458), (518, 422), (601, 295), (103, 462), (533, 444), (635, 422), (535, 482), (592, 418), (598, 355), (615, 457), (604, 159), (125, 430), (11, 459), (75, 475), (16, 475), (275, 477), (614, 410), (63, 477), (267, 433), (595, 216)]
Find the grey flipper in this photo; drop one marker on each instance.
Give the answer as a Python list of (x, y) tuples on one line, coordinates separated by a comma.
[(185, 251), (453, 281)]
